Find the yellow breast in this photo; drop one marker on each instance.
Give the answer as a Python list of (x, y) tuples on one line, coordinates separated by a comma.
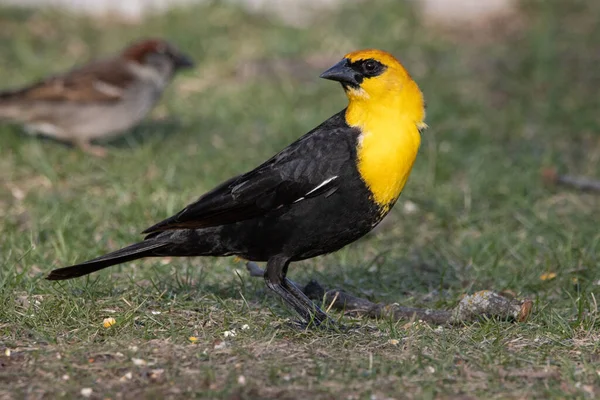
[(386, 151)]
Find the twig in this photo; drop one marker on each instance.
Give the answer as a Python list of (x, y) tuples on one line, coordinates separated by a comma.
[(479, 305), (551, 177)]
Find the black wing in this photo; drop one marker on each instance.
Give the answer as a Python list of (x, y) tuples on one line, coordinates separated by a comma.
[(311, 166)]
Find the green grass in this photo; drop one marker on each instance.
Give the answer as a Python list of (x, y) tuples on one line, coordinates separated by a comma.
[(500, 106)]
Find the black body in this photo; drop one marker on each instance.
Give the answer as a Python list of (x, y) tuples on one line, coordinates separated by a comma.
[(306, 201)]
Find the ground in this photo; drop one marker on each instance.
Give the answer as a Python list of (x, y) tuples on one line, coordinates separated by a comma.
[(504, 102)]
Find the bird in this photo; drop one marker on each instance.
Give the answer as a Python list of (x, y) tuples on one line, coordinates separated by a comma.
[(327, 189), (97, 100)]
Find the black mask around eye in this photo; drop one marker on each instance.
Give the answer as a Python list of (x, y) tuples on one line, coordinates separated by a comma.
[(368, 68)]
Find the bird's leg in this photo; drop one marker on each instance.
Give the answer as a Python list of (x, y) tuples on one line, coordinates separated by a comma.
[(276, 281), (255, 271), (318, 314), (89, 148)]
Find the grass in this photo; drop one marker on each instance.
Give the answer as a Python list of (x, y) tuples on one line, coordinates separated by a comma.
[(501, 105)]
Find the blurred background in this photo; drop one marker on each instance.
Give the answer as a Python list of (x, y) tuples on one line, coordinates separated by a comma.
[(292, 12), (511, 89)]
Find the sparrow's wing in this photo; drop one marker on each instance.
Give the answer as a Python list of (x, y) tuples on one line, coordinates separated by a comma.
[(99, 81), (310, 167)]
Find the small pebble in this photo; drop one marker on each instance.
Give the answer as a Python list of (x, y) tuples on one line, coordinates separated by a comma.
[(138, 362), (128, 376), (220, 345)]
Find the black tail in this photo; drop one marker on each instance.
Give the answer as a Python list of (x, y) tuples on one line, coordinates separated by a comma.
[(129, 253)]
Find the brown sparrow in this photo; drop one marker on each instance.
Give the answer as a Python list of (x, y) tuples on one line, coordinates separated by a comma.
[(98, 100)]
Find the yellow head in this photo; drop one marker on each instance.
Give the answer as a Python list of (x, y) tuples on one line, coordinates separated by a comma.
[(373, 78)]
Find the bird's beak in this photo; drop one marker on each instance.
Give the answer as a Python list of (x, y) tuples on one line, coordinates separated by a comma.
[(341, 72), (183, 61)]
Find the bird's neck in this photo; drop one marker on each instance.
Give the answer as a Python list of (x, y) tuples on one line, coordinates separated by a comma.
[(387, 146), (157, 75)]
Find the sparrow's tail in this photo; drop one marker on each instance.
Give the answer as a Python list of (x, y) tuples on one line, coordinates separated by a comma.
[(11, 95), (9, 107), (7, 95), (147, 248)]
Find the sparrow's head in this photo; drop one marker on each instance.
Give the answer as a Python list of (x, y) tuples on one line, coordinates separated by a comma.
[(157, 53), (377, 79)]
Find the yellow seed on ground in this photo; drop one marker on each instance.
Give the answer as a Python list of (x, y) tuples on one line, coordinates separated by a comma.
[(548, 276), (108, 322)]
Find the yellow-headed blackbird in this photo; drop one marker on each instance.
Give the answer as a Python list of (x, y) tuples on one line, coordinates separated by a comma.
[(324, 191)]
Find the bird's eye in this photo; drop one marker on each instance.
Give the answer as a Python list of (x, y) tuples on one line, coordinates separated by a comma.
[(370, 66)]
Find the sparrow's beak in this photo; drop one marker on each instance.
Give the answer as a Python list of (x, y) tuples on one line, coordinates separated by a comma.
[(341, 72), (183, 61)]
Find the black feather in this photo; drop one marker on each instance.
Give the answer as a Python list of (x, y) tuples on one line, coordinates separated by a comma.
[(280, 181), (129, 253)]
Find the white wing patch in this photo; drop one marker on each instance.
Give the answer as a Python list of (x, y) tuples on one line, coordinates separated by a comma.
[(319, 186)]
